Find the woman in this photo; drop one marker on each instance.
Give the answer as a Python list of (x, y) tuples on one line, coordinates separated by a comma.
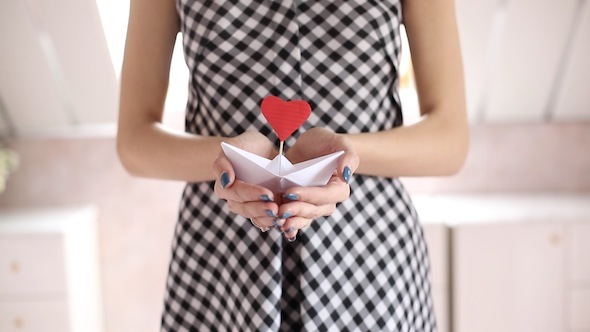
[(331, 262)]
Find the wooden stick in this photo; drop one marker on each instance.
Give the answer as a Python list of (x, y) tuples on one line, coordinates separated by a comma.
[(281, 146)]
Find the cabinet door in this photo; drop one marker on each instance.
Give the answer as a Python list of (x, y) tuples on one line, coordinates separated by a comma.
[(437, 239), (578, 281), (578, 309), (579, 253), (32, 263), (508, 277), (50, 316)]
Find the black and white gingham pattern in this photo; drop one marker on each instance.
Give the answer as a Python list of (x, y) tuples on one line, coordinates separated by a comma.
[(365, 268)]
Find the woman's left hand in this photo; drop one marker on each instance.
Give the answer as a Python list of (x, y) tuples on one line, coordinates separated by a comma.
[(301, 205)]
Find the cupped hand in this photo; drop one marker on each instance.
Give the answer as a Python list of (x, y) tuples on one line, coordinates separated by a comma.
[(251, 201), (318, 142), (301, 205)]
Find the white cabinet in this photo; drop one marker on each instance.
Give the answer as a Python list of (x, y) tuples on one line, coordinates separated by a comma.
[(578, 277), (525, 276), (34, 316), (49, 276), (31, 263), (579, 249), (437, 238), (579, 310), (508, 277), (516, 263)]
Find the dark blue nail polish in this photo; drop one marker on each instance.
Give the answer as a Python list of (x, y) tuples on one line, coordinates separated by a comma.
[(291, 197), (265, 198), (270, 213), (346, 174), (286, 215), (224, 179)]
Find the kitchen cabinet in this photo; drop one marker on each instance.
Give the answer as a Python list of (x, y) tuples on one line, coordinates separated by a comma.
[(437, 239), (577, 281), (515, 263), (49, 275), (508, 277)]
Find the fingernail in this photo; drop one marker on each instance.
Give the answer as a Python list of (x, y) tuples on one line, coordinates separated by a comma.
[(224, 179), (270, 213), (292, 239), (264, 229), (278, 222), (289, 230), (346, 174), (265, 198), (286, 215), (291, 197)]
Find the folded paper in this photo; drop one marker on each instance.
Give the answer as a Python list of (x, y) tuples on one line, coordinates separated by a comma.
[(280, 174)]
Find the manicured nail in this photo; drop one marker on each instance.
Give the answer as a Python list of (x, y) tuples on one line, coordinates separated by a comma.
[(265, 198), (292, 239), (289, 230), (291, 197), (264, 229), (286, 215), (224, 179), (278, 222), (346, 174), (270, 213)]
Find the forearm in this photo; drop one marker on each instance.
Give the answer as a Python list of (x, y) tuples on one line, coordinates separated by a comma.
[(150, 150), (434, 146), (438, 144)]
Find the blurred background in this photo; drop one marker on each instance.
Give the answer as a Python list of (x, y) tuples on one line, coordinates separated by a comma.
[(85, 247)]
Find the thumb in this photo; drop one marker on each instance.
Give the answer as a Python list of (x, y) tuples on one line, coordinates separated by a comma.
[(349, 162), (223, 170)]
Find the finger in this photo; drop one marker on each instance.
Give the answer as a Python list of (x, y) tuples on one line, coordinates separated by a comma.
[(254, 209), (305, 210), (223, 170), (254, 223), (295, 223), (335, 191), (265, 222), (242, 192), (262, 223), (348, 164), (291, 236)]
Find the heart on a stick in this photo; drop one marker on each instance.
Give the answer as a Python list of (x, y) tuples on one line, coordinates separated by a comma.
[(284, 116)]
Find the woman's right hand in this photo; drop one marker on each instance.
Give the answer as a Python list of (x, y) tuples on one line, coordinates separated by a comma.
[(251, 201)]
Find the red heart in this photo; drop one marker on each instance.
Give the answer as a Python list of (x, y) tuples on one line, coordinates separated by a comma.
[(284, 116)]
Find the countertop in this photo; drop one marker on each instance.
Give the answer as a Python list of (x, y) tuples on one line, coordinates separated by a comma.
[(462, 209)]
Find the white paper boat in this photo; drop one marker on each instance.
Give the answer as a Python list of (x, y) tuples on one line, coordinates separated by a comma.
[(264, 172)]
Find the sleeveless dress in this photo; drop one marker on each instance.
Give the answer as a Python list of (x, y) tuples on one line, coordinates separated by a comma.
[(364, 268)]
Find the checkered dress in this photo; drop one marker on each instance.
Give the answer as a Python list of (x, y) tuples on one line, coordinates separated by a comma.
[(364, 268)]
